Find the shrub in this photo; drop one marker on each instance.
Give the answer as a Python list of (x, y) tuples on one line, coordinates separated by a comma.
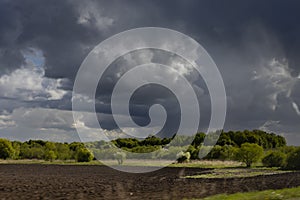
[(194, 152), (215, 153), (228, 152), (83, 155), (293, 159), (183, 157), (274, 159), (249, 153)]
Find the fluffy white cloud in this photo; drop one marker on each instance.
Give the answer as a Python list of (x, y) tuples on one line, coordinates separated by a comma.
[(29, 83)]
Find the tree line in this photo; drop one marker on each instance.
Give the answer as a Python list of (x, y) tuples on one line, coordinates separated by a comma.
[(44, 150), (245, 146)]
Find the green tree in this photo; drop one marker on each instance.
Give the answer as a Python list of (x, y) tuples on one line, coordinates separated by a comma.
[(239, 138), (224, 139), (251, 137), (63, 152), (151, 141), (215, 153), (199, 138), (228, 152), (37, 152), (17, 148), (6, 149), (25, 151), (249, 153), (50, 146), (126, 142), (274, 159), (74, 146), (50, 155), (83, 155), (293, 159)]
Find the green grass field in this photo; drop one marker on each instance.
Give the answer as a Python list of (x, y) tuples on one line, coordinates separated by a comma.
[(283, 194)]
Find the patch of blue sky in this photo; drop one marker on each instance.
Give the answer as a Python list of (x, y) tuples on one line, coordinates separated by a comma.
[(34, 56)]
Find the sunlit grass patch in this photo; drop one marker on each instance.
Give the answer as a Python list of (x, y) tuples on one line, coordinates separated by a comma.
[(237, 173), (283, 194), (209, 164)]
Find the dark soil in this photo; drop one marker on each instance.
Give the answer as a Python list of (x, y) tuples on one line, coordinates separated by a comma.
[(100, 182)]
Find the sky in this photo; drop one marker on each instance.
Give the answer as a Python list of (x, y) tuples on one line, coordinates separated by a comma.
[(254, 43)]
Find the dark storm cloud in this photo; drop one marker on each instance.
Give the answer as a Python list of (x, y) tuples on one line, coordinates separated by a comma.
[(243, 37), (217, 23), (10, 55), (56, 29), (53, 25)]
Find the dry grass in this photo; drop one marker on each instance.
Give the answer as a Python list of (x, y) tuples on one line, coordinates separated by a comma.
[(135, 162)]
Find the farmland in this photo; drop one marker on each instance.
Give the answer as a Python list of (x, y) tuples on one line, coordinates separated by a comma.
[(44, 181)]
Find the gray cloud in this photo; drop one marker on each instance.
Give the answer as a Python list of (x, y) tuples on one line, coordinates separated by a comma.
[(254, 43)]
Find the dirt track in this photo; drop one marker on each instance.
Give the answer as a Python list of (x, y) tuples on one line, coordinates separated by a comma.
[(100, 182)]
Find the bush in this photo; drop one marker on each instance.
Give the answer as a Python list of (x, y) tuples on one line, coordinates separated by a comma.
[(183, 157), (274, 159), (228, 152), (83, 155), (293, 159), (215, 153), (194, 152), (287, 149), (249, 153), (6, 149)]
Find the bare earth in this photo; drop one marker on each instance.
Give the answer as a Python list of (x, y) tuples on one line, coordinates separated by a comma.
[(100, 182)]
